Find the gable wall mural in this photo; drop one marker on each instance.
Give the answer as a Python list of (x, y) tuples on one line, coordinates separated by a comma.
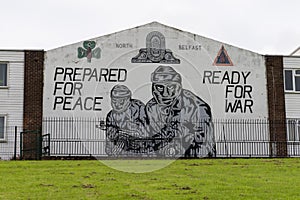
[(155, 89)]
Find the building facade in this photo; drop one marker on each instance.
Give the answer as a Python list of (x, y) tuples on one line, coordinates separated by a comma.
[(292, 98), (160, 66), (151, 90)]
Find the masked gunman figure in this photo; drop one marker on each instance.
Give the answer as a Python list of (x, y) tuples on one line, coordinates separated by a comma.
[(124, 122), (180, 116)]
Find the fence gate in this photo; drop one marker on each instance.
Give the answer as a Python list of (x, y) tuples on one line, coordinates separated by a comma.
[(45, 151), (33, 145)]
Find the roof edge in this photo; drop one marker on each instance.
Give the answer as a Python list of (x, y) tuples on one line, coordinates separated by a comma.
[(21, 50), (295, 51)]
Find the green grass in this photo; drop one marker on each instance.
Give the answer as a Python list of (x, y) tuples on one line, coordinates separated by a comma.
[(183, 179)]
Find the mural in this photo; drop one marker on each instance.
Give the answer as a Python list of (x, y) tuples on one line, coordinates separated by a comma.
[(125, 121), (155, 51), (175, 122), (156, 92), (88, 51)]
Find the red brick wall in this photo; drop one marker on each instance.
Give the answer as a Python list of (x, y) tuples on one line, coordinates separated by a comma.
[(276, 105), (33, 100)]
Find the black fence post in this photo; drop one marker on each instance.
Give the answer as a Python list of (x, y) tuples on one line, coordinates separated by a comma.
[(21, 146), (48, 138), (15, 145), (39, 140)]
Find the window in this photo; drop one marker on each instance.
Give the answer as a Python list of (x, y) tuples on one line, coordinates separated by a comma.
[(293, 129), (2, 127), (292, 80), (3, 74)]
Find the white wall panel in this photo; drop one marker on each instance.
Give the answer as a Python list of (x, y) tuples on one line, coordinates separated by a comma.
[(292, 99), (11, 100)]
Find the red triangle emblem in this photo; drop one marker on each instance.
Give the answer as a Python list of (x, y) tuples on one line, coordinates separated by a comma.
[(222, 58)]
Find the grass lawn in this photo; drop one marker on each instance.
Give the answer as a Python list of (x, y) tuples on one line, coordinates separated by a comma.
[(183, 179)]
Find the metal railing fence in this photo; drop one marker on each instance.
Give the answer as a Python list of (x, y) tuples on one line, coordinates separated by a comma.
[(82, 137), (233, 137), (9, 143)]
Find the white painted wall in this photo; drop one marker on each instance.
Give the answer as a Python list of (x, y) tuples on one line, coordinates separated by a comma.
[(11, 100), (193, 65), (119, 48)]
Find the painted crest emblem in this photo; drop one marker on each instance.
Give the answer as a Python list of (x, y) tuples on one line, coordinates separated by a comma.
[(89, 51), (222, 58), (155, 51)]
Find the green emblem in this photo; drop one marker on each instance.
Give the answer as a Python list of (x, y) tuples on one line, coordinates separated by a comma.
[(89, 51)]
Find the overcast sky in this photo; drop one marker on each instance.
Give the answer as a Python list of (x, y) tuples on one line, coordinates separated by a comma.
[(262, 26)]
